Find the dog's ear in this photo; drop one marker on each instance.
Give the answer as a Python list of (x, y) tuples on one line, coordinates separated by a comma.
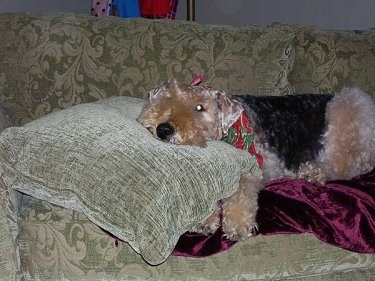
[(230, 110), (163, 90)]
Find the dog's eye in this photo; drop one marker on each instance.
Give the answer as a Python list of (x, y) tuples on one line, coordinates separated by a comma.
[(200, 108)]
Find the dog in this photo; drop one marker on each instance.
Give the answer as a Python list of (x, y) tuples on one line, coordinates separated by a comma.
[(317, 137)]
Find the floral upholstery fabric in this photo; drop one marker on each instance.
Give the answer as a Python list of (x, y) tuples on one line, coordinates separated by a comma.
[(53, 62), (9, 265), (328, 60), (58, 243), (48, 63)]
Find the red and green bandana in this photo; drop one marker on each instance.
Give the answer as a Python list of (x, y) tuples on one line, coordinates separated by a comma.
[(241, 135)]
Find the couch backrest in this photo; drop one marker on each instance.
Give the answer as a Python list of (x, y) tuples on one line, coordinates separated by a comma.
[(53, 62), (328, 60)]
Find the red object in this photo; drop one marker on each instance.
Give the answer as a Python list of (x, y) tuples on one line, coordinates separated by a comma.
[(158, 8), (197, 80)]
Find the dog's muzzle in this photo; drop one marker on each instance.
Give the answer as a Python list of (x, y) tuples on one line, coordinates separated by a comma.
[(164, 131)]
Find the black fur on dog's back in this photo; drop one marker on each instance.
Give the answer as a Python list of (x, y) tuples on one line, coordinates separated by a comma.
[(293, 125)]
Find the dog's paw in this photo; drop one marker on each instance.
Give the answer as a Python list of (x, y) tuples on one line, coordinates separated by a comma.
[(239, 224), (210, 225), (240, 232), (312, 172)]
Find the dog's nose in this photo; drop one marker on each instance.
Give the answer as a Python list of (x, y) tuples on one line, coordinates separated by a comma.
[(164, 131)]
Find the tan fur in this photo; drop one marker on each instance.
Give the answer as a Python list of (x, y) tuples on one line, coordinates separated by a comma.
[(176, 105), (350, 138), (169, 107)]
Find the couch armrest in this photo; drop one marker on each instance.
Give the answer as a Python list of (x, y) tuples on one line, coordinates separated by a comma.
[(9, 258)]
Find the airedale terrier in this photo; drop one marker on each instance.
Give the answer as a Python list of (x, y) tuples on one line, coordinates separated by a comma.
[(320, 137)]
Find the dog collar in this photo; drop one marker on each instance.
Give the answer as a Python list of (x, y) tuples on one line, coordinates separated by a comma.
[(241, 135)]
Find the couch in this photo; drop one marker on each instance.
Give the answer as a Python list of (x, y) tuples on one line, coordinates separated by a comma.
[(53, 62)]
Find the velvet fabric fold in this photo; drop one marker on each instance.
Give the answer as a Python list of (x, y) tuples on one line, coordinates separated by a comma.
[(340, 213), (198, 245)]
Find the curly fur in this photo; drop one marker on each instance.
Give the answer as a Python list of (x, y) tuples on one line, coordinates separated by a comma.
[(318, 137)]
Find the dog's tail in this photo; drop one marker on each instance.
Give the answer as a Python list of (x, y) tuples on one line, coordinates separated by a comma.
[(350, 138)]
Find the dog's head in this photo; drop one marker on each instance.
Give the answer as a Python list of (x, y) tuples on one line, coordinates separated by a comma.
[(189, 114)]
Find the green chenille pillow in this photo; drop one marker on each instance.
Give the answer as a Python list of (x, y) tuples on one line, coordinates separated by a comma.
[(95, 158)]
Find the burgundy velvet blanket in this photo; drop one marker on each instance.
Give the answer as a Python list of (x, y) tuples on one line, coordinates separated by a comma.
[(340, 213)]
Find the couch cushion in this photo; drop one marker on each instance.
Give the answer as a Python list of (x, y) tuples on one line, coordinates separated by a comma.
[(328, 60), (58, 243), (96, 159), (55, 61)]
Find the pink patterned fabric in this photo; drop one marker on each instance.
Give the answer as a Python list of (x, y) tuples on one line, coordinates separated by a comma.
[(100, 8)]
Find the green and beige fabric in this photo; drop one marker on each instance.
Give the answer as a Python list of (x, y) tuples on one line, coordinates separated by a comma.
[(70, 163)]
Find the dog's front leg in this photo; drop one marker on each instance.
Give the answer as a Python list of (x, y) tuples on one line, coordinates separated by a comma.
[(210, 225), (239, 210)]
